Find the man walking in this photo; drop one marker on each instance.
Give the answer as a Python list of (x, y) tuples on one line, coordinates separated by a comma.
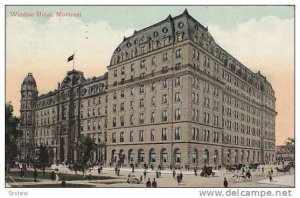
[(225, 183), (35, 175), (148, 184), (154, 184)]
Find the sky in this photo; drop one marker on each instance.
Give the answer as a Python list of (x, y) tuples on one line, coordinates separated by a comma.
[(260, 37)]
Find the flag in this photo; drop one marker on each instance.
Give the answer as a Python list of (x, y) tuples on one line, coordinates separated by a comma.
[(71, 58)]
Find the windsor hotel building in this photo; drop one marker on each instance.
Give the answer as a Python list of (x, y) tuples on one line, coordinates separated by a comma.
[(171, 96)]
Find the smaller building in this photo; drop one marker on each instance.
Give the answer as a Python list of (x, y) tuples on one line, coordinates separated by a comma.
[(282, 154)]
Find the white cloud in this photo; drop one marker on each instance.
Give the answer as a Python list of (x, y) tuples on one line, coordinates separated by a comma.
[(267, 43)]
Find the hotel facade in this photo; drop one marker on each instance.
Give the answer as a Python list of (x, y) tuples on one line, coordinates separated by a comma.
[(171, 97)]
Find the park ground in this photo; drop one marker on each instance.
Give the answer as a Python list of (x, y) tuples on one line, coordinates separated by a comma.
[(108, 179)]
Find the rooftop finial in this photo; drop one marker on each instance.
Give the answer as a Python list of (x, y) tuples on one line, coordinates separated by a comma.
[(185, 11)]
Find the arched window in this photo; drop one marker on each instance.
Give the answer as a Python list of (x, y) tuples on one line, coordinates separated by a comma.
[(177, 154), (113, 156), (164, 155), (216, 157), (195, 156), (130, 155), (152, 155), (121, 156), (242, 156), (206, 156), (141, 155)]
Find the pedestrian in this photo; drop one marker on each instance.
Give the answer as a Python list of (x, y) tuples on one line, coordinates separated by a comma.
[(178, 179), (154, 184), (262, 171), (181, 176), (145, 174), (148, 184), (52, 176), (118, 171), (270, 176), (141, 179), (35, 174), (90, 174), (225, 183), (271, 171), (63, 182), (22, 172), (132, 168), (174, 174), (99, 171), (195, 171)]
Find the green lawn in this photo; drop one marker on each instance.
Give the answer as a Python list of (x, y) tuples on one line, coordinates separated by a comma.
[(68, 177)]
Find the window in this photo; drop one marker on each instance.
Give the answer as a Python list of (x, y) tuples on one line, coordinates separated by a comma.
[(114, 108), (142, 65), (132, 91), (164, 99), (165, 57), (177, 114), (164, 84), (141, 135), (153, 60), (132, 67), (142, 49), (131, 120), (206, 118), (99, 124), (153, 86), (113, 139), (131, 136), (177, 81), (206, 102), (216, 137), (122, 120), (152, 117), (142, 103), (94, 125), (164, 116), (122, 94), (121, 136), (177, 156), (195, 133), (153, 100), (122, 70), (195, 115), (114, 122), (142, 89), (177, 97), (152, 135), (131, 104), (122, 107), (141, 155), (177, 133), (164, 156), (152, 155), (115, 73), (178, 53), (114, 95), (142, 118), (206, 135), (177, 66), (164, 134)]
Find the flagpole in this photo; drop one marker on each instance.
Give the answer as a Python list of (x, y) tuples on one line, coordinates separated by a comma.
[(73, 60)]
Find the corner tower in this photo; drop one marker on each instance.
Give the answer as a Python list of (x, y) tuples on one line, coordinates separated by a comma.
[(29, 94)]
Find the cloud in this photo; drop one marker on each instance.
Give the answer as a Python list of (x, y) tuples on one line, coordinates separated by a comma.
[(266, 45)]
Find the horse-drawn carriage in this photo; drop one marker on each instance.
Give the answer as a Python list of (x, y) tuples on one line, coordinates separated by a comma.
[(284, 169), (207, 171)]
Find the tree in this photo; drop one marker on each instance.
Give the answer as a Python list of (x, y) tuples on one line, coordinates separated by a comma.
[(12, 134), (289, 145), (85, 148), (43, 157)]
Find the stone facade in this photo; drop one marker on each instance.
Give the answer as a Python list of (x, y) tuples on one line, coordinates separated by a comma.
[(172, 96)]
